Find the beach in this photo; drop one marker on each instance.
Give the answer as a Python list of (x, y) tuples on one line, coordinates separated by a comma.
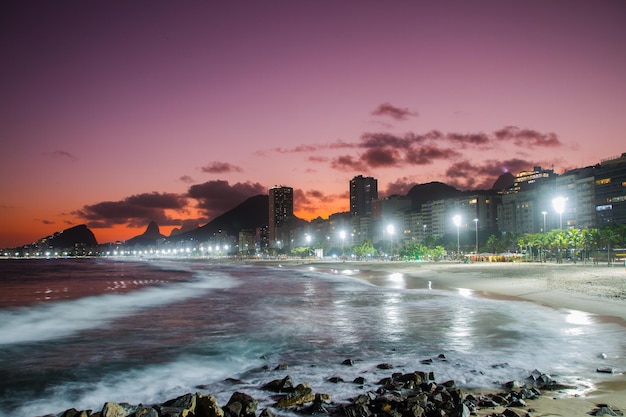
[(591, 291)]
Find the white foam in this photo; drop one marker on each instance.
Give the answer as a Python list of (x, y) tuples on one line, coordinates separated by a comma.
[(63, 318)]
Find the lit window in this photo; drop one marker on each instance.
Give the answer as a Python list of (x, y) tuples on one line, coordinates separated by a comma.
[(603, 181)]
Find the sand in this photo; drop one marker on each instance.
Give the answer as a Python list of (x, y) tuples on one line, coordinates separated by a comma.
[(595, 289)]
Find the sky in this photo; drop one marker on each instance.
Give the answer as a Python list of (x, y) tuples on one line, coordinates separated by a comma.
[(116, 113)]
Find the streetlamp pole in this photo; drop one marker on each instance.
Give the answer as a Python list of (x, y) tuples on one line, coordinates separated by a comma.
[(559, 207), (476, 224), (390, 231), (457, 221), (544, 220), (342, 234)]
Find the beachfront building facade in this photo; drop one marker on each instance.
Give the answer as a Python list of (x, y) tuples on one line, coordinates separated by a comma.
[(363, 190), (610, 191), (280, 216)]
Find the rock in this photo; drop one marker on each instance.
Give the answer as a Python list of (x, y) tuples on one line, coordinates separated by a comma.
[(606, 370), (359, 380), (267, 413), (384, 366), (348, 362), (280, 385), (72, 412), (146, 412), (281, 367), (302, 394), (242, 405), (603, 410), (119, 409), (461, 410), (510, 413), (335, 379)]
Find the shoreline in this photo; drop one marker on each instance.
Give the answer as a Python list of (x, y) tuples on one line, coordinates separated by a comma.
[(597, 290)]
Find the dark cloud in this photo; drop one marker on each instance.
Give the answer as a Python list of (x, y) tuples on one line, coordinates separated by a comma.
[(61, 154), (216, 197), (220, 168), (347, 163), (428, 154), (400, 186), (386, 109), (136, 210), (381, 157), (527, 137), (44, 221)]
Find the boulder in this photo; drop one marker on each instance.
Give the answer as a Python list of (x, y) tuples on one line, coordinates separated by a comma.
[(280, 385), (301, 394), (242, 405), (111, 409)]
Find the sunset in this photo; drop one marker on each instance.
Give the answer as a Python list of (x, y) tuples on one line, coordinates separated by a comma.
[(118, 113)]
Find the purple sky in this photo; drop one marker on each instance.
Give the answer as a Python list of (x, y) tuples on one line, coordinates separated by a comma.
[(115, 113)]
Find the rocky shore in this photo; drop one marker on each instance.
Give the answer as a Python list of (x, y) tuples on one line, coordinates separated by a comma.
[(415, 394)]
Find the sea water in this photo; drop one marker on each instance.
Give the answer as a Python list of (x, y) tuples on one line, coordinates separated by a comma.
[(78, 333)]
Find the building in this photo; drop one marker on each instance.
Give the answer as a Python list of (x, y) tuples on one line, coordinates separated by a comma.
[(610, 191), (363, 190), (281, 215)]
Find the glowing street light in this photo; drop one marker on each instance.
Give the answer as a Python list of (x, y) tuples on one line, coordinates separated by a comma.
[(457, 221), (476, 224), (559, 206)]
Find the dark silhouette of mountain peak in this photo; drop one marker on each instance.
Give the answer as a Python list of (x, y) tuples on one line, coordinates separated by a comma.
[(69, 238), (503, 182), (423, 193), (147, 238), (153, 231), (252, 213)]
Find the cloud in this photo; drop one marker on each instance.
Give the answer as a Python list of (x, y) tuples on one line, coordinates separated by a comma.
[(394, 112), (527, 137), (186, 179), (61, 155), (220, 168), (428, 154), (44, 221), (466, 175), (347, 163), (381, 157), (400, 186), (216, 197), (135, 211)]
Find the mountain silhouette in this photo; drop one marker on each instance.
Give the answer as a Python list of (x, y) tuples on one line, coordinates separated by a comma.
[(252, 213), (147, 238), (423, 193)]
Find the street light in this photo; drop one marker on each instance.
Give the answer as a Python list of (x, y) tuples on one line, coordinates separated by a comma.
[(476, 224), (390, 231), (559, 207), (544, 220), (342, 234), (457, 221)]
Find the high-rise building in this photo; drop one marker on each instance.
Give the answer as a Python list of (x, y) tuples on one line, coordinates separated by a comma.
[(362, 191), (281, 215)]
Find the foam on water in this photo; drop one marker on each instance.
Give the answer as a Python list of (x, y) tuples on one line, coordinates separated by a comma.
[(63, 318)]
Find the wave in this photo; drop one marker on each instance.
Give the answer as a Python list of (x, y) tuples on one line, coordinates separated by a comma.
[(61, 319)]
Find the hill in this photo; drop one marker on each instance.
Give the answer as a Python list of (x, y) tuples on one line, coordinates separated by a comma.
[(252, 213)]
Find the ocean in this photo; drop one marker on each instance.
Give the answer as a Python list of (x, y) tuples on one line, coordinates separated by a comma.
[(80, 332)]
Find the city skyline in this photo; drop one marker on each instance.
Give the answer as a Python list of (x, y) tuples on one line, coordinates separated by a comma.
[(117, 113)]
